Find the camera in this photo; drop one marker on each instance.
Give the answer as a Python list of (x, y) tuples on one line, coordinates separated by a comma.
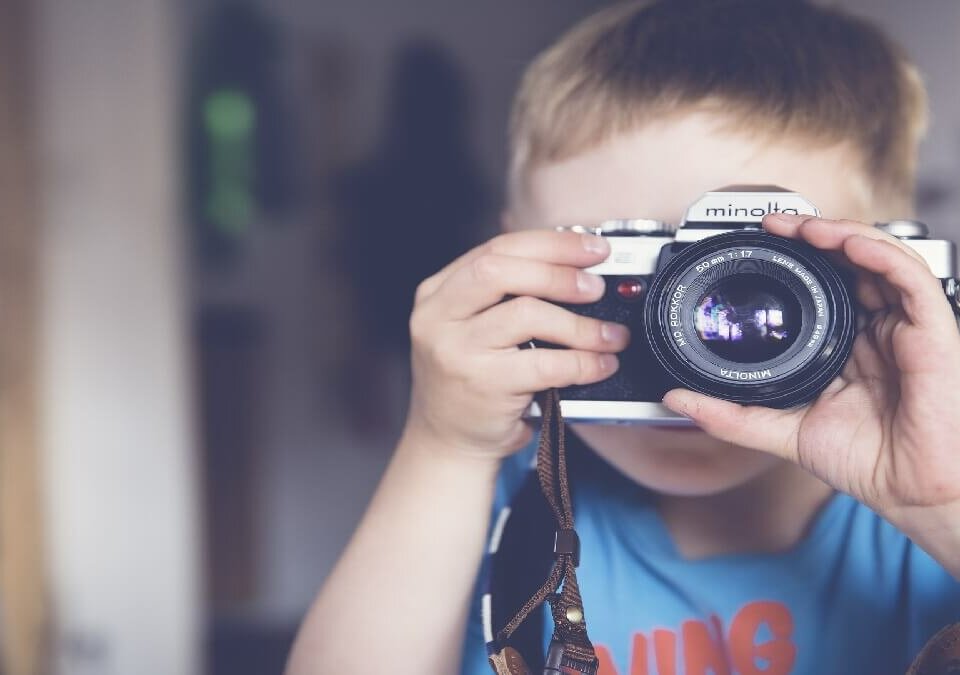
[(721, 307)]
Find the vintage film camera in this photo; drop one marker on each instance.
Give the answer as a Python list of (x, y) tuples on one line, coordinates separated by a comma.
[(719, 306)]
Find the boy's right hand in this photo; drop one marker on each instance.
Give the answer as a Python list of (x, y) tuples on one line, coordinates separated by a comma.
[(471, 381)]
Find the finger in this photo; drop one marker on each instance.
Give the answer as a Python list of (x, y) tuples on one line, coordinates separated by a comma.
[(765, 429), (871, 360), (872, 292), (528, 371), (828, 235), (920, 293), (523, 319), (831, 235), (561, 248), (869, 294), (489, 278)]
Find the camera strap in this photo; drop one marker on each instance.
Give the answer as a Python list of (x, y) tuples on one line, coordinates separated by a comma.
[(570, 650)]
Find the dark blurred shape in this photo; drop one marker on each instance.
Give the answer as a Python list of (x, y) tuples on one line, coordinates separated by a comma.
[(409, 209), (239, 156), (231, 350), (239, 648), (933, 194), (418, 201)]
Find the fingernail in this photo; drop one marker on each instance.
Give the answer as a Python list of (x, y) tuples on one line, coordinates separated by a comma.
[(595, 244), (613, 333), (608, 363), (589, 283)]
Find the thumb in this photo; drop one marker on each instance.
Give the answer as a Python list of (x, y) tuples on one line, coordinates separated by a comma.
[(765, 429)]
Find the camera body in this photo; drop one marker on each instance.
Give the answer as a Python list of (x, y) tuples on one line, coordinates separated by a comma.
[(719, 306)]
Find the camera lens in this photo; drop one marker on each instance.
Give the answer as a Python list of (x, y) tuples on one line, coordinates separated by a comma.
[(750, 317)]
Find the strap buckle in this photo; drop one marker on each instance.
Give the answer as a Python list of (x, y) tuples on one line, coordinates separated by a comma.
[(567, 542)]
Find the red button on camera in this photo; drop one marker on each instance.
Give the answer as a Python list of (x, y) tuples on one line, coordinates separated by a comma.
[(630, 289)]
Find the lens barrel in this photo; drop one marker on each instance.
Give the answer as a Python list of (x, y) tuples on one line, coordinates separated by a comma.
[(750, 317)]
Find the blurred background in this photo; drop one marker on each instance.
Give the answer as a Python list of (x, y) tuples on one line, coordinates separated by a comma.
[(212, 218)]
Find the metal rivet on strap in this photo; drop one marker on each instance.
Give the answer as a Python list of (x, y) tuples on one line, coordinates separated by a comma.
[(574, 614)]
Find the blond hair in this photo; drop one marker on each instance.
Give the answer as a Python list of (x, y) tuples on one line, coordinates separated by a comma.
[(780, 68)]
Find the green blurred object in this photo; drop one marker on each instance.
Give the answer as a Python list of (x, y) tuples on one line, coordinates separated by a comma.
[(229, 114), (240, 164), (230, 123)]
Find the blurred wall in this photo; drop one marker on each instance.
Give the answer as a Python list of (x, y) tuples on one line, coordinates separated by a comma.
[(24, 616), (115, 391)]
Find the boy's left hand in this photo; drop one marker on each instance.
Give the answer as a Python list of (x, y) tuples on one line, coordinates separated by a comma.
[(887, 430)]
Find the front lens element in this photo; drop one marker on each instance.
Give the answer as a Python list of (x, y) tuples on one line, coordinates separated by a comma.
[(748, 318)]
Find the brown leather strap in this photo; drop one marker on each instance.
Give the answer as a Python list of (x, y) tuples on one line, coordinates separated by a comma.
[(509, 662), (570, 627)]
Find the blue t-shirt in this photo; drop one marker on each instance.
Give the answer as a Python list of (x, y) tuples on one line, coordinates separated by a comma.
[(855, 596)]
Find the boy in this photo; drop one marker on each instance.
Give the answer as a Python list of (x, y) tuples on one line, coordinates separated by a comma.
[(750, 545)]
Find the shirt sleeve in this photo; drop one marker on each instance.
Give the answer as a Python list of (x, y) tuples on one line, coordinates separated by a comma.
[(513, 472)]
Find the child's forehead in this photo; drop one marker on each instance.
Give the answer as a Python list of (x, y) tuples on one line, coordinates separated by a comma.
[(658, 170)]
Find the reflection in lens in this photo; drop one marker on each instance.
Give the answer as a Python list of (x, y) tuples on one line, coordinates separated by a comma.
[(747, 318), (720, 320)]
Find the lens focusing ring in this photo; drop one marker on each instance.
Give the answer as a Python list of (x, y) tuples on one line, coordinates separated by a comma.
[(785, 380)]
